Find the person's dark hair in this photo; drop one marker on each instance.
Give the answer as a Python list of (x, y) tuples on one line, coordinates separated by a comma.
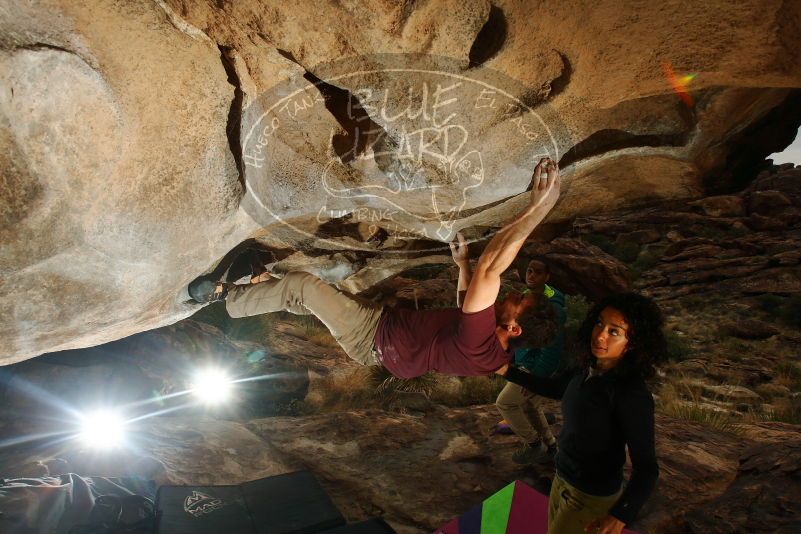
[(522, 265), (646, 341), (539, 326), (542, 259)]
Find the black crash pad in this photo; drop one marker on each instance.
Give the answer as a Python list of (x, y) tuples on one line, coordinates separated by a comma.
[(371, 526), (293, 503)]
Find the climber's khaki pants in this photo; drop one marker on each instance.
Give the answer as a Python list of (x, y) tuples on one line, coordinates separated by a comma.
[(571, 510), (522, 411), (352, 321)]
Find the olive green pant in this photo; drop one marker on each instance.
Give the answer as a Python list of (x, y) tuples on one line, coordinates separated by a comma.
[(522, 411), (570, 510), (352, 321)]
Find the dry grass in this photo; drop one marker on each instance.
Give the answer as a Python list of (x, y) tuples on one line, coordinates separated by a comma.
[(678, 348), (342, 392), (323, 339), (786, 411), (468, 391), (677, 399), (449, 391), (681, 400), (385, 384), (785, 310), (374, 387), (314, 330), (771, 391), (788, 374)]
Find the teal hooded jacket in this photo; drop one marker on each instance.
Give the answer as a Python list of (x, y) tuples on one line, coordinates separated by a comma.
[(544, 361)]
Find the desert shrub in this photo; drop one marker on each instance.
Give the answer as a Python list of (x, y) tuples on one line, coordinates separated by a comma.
[(471, 390), (789, 369), (650, 256), (736, 357), (600, 241), (690, 408), (313, 329), (732, 347), (786, 310), (788, 411), (737, 231), (791, 311), (789, 374), (768, 302), (717, 233), (769, 391), (576, 308), (375, 387), (626, 251), (697, 413), (647, 259), (343, 391), (778, 248), (677, 347), (385, 384), (692, 302), (294, 408), (309, 323)]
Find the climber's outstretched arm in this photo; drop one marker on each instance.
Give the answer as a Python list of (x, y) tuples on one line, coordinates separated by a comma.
[(504, 246)]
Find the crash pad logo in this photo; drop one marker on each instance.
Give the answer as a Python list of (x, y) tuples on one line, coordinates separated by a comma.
[(402, 146), (199, 504)]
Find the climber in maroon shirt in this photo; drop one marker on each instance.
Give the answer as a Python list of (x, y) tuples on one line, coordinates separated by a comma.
[(468, 341)]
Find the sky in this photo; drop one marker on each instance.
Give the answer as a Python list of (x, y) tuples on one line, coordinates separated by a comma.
[(791, 154)]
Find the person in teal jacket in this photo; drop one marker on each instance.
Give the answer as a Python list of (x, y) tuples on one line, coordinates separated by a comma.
[(520, 408)]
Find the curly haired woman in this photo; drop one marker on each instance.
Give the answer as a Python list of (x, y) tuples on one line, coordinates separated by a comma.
[(606, 407)]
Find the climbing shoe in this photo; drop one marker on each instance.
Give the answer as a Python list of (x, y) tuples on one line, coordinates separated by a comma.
[(534, 453), (527, 453), (547, 455), (203, 290)]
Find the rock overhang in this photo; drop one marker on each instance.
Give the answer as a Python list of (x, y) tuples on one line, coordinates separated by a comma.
[(127, 183)]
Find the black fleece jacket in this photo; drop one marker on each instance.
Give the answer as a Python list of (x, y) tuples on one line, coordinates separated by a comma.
[(601, 415)]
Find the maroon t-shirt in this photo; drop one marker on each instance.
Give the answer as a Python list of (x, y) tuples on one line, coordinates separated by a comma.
[(412, 342)]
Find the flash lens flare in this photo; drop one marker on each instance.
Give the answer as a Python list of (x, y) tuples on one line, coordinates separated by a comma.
[(212, 386), (102, 429), (679, 83)]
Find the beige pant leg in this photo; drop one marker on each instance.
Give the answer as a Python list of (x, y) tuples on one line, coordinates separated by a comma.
[(538, 420), (350, 320), (571, 510), (511, 403)]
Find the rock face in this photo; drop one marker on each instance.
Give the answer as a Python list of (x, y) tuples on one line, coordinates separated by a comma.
[(140, 141), (756, 498), (118, 179), (721, 244)]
